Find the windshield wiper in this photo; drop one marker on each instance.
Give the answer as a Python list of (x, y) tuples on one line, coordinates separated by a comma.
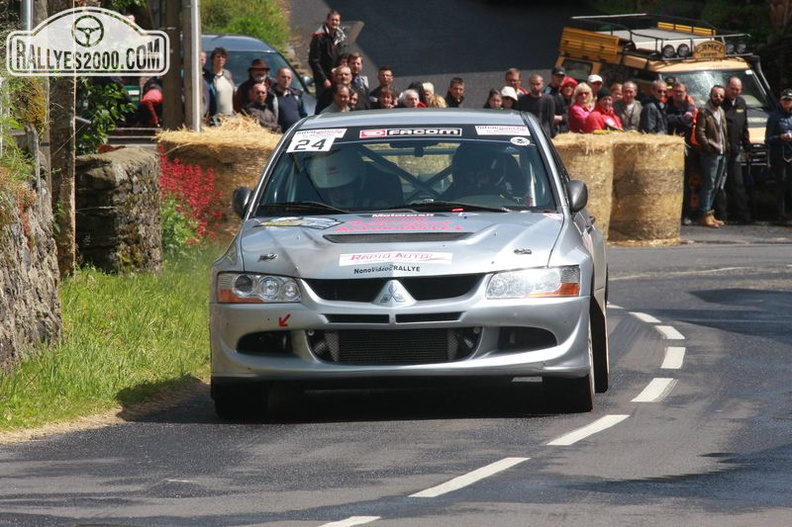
[(305, 207), (442, 206)]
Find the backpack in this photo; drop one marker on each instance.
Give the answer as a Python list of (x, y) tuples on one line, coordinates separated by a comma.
[(691, 139)]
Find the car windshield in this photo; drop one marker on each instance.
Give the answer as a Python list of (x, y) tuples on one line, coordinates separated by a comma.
[(318, 173), (699, 84)]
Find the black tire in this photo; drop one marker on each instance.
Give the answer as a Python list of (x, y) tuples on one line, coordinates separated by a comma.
[(600, 348), (244, 400), (572, 395)]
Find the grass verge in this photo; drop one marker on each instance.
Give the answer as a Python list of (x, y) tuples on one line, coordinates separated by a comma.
[(127, 338)]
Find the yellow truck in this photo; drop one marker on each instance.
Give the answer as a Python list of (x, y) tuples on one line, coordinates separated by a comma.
[(644, 48)]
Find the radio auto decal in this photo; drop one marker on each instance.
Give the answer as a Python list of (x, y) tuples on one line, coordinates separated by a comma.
[(399, 223), (395, 257)]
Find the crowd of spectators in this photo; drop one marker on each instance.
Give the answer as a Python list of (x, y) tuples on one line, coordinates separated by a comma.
[(716, 134)]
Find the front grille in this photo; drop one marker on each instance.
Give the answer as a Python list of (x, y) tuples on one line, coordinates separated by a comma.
[(357, 319), (420, 288), (394, 347), (384, 319), (427, 317)]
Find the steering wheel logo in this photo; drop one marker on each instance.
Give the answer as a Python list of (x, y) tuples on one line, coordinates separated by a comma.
[(88, 31)]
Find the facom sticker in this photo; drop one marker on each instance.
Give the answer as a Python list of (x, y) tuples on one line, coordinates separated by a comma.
[(401, 132), (369, 134), (395, 257), (502, 130), (315, 140)]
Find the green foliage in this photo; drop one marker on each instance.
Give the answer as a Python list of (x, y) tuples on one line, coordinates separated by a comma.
[(122, 6), (749, 16), (177, 228), (15, 165), (126, 337), (262, 19), (105, 106)]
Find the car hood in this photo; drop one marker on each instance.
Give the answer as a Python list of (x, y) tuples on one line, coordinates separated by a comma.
[(396, 245)]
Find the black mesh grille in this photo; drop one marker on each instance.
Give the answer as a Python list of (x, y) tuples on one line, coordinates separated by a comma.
[(420, 288), (357, 319), (407, 346)]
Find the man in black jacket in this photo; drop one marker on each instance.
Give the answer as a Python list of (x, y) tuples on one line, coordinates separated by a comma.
[(654, 119), (734, 202), (540, 104), (327, 43)]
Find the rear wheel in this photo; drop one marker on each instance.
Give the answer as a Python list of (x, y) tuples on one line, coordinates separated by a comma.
[(572, 395), (245, 400)]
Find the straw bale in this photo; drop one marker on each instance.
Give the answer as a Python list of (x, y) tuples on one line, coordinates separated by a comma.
[(589, 158), (237, 151), (634, 221), (647, 187)]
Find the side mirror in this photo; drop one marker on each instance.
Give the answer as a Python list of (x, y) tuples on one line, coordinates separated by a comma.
[(240, 200), (577, 194), (307, 80)]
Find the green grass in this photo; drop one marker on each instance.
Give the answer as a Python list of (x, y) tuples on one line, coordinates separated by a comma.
[(126, 338)]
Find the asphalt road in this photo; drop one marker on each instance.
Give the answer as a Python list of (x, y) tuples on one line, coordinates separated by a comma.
[(694, 431)]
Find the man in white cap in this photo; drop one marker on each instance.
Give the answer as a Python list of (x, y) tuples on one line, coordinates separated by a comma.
[(595, 81), (509, 97)]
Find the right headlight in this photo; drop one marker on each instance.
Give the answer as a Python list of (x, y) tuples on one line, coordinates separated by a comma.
[(535, 283), (252, 288)]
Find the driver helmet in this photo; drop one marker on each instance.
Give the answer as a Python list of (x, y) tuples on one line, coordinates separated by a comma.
[(477, 167), (337, 175)]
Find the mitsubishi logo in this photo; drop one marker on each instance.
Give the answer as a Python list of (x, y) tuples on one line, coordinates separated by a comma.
[(393, 293)]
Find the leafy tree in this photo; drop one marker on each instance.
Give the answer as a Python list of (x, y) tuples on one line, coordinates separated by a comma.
[(262, 19), (103, 104)]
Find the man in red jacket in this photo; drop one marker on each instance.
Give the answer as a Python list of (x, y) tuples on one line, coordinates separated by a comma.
[(602, 117)]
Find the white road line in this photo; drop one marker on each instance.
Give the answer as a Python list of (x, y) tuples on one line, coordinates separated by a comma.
[(668, 332), (469, 478), (581, 433), (673, 358), (655, 391), (643, 317), (352, 520)]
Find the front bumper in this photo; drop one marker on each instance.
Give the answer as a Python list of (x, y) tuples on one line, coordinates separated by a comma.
[(471, 337)]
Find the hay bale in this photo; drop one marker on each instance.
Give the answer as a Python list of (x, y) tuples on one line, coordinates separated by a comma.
[(237, 151), (589, 158), (648, 177)]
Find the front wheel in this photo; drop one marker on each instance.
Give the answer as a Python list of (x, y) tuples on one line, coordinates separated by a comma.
[(572, 395)]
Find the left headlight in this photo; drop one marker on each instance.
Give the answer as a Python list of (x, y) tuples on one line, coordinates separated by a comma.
[(535, 283), (250, 288)]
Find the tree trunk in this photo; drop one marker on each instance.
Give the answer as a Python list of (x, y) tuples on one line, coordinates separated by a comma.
[(62, 148)]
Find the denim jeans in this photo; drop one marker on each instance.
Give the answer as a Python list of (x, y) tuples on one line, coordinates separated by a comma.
[(713, 170)]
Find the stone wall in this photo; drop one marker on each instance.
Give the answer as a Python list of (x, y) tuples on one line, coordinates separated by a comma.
[(118, 210), (30, 310)]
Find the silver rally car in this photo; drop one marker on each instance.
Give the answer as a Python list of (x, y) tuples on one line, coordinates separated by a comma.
[(412, 244)]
